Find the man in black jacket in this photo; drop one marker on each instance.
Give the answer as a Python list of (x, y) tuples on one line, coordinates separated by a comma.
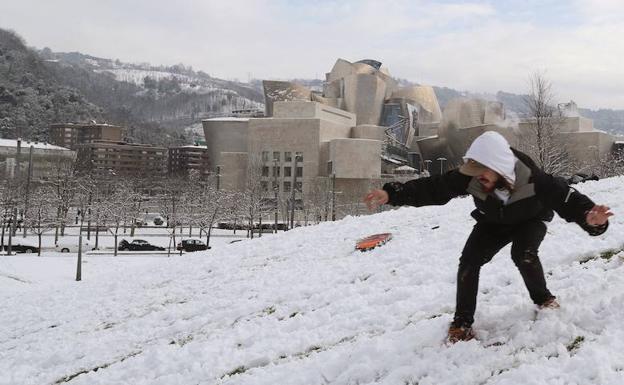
[(513, 199)]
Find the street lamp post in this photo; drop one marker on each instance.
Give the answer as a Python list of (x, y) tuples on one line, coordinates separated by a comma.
[(292, 193), (333, 187), (30, 155), (441, 159), (275, 188), (595, 158), (218, 177)]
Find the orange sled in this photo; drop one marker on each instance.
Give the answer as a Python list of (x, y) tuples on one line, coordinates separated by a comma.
[(372, 241)]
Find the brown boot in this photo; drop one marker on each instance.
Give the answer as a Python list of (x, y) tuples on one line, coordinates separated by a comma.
[(460, 333), (550, 303)]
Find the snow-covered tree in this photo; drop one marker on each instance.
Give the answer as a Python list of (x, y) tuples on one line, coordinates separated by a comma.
[(10, 193), (169, 201), (41, 216), (63, 181), (117, 208)]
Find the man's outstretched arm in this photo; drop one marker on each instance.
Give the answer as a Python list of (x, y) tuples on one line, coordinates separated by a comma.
[(435, 190), (571, 205)]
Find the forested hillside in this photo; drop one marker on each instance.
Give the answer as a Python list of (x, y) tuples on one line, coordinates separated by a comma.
[(31, 94), (155, 104)]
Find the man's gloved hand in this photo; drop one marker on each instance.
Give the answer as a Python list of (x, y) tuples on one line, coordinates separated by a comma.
[(598, 215), (375, 198)]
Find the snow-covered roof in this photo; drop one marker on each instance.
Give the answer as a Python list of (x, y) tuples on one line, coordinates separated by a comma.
[(388, 159), (405, 168), (27, 144)]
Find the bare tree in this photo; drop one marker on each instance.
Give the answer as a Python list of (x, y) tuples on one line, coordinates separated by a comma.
[(254, 192), (118, 207), (541, 140), (212, 206), (41, 216), (64, 184), (318, 200), (169, 201), (10, 192), (136, 199), (610, 165)]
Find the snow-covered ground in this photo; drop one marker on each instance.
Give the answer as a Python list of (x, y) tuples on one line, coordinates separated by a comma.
[(303, 307)]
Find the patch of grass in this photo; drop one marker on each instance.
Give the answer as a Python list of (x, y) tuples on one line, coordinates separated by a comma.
[(313, 348), (605, 255), (609, 254), (576, 344), (269, 310), (238, 370)]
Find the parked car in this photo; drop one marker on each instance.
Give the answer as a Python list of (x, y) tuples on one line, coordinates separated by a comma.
[(138, 245), (149, 219), (192, 244), (22, 248), (72, 247), (140, 222)]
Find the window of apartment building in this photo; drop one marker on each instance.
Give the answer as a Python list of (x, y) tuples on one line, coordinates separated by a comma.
[(265, 170), (288, 156), (299, 172), (276, 156), (276, 171), (264, 185), (286, 186), (275, 185), (287, 171), (298, 186), (299, 156), (265, 156), (330, 168)]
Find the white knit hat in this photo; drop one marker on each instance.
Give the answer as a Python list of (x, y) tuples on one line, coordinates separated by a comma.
[(491, 150)]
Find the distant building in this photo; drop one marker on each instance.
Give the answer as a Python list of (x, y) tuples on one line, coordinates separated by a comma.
[(186, 159), (46, 158), (301, 146), (70, 135), (106, 158)]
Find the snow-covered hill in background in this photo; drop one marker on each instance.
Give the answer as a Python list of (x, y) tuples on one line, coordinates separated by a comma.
[(303, 307)]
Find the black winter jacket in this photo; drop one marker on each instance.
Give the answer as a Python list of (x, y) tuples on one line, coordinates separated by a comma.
[(535, 196)]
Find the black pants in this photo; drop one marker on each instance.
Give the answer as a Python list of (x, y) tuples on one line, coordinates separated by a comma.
[(482, 244)]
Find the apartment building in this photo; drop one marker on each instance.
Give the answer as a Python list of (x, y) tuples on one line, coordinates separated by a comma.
[(43, 159), (109, 158), (184, 160), (70, 135)]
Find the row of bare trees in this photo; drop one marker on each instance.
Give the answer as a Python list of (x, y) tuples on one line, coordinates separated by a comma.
[(70, 198)]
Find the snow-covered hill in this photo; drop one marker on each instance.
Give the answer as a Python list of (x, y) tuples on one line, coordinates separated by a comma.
[(303, 307)]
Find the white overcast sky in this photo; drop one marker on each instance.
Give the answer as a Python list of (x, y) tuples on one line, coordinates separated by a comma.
[(480, 46)]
